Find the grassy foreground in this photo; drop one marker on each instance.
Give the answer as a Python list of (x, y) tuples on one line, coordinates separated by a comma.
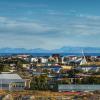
[(48, 95)]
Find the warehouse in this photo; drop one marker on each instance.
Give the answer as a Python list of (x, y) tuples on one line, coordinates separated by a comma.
[(11, 82), (77, 87)]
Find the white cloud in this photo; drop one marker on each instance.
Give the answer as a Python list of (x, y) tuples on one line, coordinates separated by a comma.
[(22, 27), (45, 34), (91, 17)]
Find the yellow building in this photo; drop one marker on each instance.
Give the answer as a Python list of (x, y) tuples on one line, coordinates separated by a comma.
[(66, 67)]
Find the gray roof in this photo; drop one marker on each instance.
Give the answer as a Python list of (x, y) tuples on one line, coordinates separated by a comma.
[(7, 81), (77, 87), (10, 76)]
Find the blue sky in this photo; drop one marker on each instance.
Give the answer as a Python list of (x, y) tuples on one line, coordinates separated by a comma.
[(49, 24)]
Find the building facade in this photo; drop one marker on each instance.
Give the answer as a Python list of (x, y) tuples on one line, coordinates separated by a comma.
[(11, 82)]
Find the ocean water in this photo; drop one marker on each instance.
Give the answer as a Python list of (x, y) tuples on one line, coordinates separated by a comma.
[(49, 54)]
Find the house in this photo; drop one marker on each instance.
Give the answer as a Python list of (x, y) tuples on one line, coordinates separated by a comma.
[(56, 69), (43, 60), (38, 73), (34, 59), (11, 82), (22, 56), (66, 67), (27, 66), (88, 68)]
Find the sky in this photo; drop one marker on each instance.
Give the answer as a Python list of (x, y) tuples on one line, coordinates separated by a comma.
[(49, 24)]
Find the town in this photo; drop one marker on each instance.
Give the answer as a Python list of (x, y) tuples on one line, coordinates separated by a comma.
[(55, 73), (49, 50)]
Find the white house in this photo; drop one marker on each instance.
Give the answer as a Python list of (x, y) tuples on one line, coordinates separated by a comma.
[(34, 59), (44, 60), (88, 68)]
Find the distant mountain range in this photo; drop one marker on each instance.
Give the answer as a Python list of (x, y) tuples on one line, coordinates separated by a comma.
[(60, 50)]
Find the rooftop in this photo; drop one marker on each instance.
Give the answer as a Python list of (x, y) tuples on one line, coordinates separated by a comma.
[(10, 76)]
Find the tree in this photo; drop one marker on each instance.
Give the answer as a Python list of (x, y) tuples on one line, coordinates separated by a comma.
[(39, 83), (1, 67), (91, 80)]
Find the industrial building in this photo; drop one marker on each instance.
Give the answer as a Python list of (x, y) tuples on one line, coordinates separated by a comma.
[(11, 82)]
